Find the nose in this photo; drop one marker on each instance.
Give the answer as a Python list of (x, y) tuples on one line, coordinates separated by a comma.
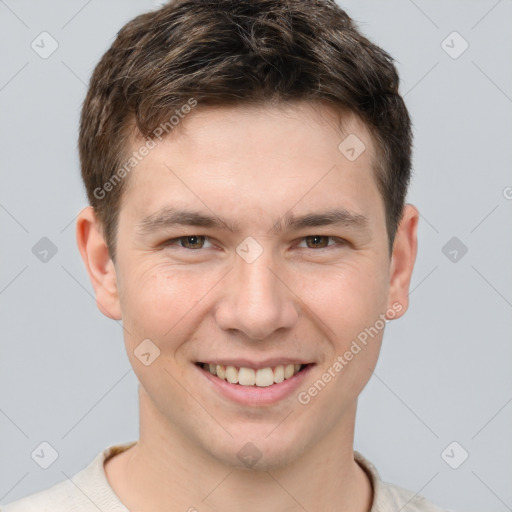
[(256, 300)]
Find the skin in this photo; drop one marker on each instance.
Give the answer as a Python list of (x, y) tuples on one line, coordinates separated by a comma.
[(251, 166)]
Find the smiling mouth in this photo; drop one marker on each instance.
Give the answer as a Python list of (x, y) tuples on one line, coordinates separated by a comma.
[(261, 377)]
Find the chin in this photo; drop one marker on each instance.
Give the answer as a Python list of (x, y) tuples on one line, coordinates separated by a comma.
[(257, 451)]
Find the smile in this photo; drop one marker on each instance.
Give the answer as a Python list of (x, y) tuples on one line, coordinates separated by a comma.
[(255, 384), (259, 377)]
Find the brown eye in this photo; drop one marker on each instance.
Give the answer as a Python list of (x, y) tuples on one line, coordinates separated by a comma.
[(317, 241), (187, 242), (192, 242)]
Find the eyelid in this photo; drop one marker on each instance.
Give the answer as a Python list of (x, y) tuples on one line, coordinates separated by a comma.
[(338, 241), (175, 242)]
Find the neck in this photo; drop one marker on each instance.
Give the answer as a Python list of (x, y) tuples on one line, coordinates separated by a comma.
[(165, 471)]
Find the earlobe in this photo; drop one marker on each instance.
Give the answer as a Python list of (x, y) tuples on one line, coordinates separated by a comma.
[(96, 257), (403, 258)]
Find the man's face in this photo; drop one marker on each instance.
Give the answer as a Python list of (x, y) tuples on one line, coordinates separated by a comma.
[(262, 287)]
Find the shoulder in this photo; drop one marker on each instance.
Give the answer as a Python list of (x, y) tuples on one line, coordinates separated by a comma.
[(405, 500), (389, 497), (87, 491), (58, 498)]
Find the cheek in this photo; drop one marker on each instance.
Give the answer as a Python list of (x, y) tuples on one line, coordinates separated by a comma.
[(349, 301), (360, 303), (351, 305), (159, 301), (347, 298)]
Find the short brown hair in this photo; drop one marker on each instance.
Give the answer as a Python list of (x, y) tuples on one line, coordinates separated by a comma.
[(235, 52)]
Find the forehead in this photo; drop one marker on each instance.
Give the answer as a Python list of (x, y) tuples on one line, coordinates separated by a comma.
[(303, 124), (270, 153)]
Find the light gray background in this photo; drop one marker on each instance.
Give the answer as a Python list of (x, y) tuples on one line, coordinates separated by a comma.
[(445, 370)]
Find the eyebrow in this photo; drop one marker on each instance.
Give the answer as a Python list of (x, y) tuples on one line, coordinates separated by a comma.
[(170, 217)]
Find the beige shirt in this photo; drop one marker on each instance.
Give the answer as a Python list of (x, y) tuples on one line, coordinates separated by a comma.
[(89, 491)]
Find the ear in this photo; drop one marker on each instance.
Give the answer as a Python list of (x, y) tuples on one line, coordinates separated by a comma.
[(101, 270), (403, 257)]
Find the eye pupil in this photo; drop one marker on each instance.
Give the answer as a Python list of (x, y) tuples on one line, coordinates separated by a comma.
[(318, 241), (192, 241), (197, 242)]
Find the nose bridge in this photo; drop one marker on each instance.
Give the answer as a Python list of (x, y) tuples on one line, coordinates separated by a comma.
[(255, 301), (256, 283)]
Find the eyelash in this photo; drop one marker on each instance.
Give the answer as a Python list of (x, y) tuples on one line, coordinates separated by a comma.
[(173, 241)]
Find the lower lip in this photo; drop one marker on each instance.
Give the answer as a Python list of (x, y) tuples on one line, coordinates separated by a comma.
[(254, 395)]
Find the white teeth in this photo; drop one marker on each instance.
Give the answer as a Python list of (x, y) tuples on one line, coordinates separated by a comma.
[(262, 377), (221, 371), (247, 376), (231, 374), (288, 371), (279, 374)]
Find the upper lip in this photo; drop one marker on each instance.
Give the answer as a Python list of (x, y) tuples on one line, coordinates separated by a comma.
[(266, 363)]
